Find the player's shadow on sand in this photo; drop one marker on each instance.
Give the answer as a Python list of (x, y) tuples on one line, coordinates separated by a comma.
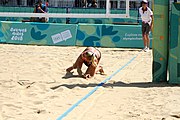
[(69, 75), (118, 84), (131, 50), (141, 84)]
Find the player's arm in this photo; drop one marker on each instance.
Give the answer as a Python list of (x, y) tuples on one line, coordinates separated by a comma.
[(41, 9), (152, 22), (78, 64)]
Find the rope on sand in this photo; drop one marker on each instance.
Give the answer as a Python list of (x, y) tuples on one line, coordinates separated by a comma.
[(93, 90)]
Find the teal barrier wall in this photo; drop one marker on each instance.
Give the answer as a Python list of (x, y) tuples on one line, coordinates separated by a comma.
[(1, 34), (99, 35), (133, 15), (29, 10), (133, 19), (106, 35), (174, 52), (38, 33)]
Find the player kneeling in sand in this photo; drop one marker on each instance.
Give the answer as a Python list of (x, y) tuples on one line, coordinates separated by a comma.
[(90, 57)]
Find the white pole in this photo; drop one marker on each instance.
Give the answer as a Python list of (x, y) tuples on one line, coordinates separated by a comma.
[(127, 7), (107, 7), (118, 4)]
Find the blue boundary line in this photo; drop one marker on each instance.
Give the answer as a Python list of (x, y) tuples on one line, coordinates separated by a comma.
[(93, 90)]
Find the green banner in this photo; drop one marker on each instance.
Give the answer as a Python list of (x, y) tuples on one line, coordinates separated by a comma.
[(160, 40), (174, 52), (102, 35), (106, 35), (39, 33), (1, 34)]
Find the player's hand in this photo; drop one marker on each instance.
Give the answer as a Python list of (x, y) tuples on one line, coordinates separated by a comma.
[(87, 76)]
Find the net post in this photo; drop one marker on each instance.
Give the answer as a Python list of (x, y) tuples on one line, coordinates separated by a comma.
[(127, 8), (107, 7)]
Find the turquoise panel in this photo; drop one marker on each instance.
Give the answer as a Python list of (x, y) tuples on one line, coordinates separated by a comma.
[(174, 52), (39, 33), (160, 40), (133, 19), (133, 15), (1, 34), (106, 35)]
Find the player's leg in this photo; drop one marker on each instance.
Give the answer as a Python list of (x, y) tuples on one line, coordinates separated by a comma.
[(144, 36), (148, 28)]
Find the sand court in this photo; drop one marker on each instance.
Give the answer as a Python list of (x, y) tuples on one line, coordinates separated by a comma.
[(34, 85)]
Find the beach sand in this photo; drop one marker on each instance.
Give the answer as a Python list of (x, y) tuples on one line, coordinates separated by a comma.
[(35, 86)]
